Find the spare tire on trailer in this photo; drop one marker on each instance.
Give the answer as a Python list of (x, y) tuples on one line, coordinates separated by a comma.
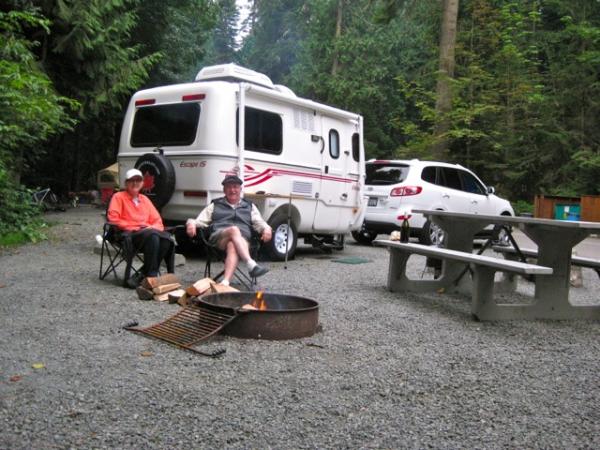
[(159, 178)]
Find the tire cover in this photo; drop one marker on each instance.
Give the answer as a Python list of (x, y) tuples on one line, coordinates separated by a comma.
[(159, 178)]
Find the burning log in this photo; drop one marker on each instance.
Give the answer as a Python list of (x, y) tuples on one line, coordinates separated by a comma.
[(258, 303), (248, 307)]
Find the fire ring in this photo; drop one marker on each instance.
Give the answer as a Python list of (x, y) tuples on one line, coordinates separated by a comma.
[(286, 316)]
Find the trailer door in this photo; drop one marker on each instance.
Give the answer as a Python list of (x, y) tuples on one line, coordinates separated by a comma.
[(331, 179)]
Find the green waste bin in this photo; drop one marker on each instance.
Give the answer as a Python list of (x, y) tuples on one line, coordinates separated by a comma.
[(567, 212)]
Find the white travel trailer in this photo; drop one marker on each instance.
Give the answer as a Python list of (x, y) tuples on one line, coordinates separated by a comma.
[(302, 162)]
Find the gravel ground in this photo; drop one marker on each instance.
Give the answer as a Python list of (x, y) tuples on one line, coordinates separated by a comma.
[(387, 371)]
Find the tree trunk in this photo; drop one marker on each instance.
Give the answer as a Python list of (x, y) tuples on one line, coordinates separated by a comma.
[(338, 33), (446, 72)]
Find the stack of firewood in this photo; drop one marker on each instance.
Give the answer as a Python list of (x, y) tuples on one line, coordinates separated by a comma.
[(159, 288), (168, 288), (202, 287)]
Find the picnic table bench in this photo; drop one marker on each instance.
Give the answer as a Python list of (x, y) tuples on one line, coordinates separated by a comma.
[(513, 254), (555, 240), (484, 268)]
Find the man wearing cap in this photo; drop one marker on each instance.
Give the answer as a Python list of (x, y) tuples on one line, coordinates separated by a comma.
[(232, 219), (132, 211)]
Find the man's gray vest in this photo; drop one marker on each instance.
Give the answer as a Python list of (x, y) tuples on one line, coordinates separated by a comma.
[(225, 216)]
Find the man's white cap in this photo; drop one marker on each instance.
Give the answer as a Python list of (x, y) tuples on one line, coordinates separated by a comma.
[(132, 173)]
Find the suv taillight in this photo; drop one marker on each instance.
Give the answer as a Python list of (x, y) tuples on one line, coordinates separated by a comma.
[(404, 191)]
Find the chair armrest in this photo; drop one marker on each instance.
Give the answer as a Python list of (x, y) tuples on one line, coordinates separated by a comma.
[(110, 228), (114, 226), (112, 232), (203, 234), (174, 228)]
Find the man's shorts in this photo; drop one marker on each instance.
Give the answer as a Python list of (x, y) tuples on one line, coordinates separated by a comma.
[(215, 237)]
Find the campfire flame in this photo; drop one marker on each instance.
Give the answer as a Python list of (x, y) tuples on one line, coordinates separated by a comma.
[(259, 302)]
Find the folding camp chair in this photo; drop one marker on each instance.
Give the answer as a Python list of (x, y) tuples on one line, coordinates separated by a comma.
[(118, 248), (215, 254)]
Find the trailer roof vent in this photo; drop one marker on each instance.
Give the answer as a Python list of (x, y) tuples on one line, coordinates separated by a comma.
[(233, 72)]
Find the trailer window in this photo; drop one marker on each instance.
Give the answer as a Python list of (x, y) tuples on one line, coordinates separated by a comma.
[(165, 125), (334, 144), (263, 131), (355, 147)]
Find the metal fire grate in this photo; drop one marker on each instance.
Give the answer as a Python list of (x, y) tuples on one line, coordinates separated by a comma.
[(188, 327)]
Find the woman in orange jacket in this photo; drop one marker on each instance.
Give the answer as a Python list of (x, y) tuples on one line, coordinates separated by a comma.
[(133, 212)]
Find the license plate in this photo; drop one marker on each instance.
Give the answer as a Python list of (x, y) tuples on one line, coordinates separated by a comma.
[(372, 201)]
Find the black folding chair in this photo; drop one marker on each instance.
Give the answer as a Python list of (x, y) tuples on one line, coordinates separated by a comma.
[(215, 254), (118, 248)]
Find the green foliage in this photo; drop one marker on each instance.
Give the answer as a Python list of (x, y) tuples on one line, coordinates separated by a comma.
[(177, 31), (523, 207), (275, 38), (526, 95), (99, 52), (357, 69), (30, 109), (30, 112), (94, 54), (525, 92), (88, 53), (20, 219)]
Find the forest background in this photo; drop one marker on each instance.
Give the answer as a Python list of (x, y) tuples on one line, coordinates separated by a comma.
[(510, 89)]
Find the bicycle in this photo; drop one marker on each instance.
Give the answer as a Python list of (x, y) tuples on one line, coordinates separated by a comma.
[(47, 200)]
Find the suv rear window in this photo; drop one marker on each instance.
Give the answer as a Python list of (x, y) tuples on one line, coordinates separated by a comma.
[(384, 174), (165, 125)]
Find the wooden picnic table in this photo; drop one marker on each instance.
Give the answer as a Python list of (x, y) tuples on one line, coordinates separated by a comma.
[(555, 240)]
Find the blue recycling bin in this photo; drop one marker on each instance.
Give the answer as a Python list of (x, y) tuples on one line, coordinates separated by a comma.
[(567, 212)]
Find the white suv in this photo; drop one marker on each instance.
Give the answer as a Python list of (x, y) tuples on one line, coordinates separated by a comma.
[(397, 187)]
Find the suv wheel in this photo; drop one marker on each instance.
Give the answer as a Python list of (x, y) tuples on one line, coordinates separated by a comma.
[(432, 234), (364, 236)]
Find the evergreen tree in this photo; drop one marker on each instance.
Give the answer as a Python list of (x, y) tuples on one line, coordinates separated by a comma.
[(222, 45), (350, 61), (177, 30), (571, 44), (99, 52), (31, 109), (31, 112), (274, 38)]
